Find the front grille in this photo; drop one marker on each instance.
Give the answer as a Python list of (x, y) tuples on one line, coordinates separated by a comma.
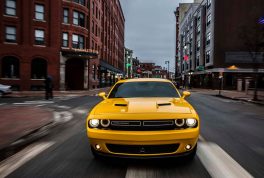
[(142, 149), (142, 125)]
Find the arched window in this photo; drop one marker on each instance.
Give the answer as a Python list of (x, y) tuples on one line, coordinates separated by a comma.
[(38, 68), (10, 67)]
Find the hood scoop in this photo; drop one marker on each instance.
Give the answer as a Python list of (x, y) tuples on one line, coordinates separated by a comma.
[(120, 104), (163, 104)]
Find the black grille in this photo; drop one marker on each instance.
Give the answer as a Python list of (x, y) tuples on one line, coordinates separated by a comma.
[(142, 149), (140, 125)]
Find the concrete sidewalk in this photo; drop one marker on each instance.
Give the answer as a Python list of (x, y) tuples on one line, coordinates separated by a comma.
[(232, 94), (18, 121), (57, 93), (21, 125)]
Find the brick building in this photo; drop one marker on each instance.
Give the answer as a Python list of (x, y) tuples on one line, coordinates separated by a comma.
[(212, 39), (80, 43)]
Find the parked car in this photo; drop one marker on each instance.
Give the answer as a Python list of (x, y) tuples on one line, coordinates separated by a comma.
[(5, 89), (143, 118)]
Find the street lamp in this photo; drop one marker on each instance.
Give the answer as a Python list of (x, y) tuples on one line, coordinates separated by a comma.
[(168, 62)]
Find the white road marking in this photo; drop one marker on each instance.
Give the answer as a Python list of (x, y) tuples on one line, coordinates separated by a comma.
[(34, 102), (62, 106), (1, 104), (63, 116), (201, 138), (14, 162), (218, 163)]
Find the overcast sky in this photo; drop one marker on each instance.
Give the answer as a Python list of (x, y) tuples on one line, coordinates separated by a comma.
[(150, 29)]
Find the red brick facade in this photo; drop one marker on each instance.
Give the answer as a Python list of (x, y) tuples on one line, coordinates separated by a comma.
[(75, 63)]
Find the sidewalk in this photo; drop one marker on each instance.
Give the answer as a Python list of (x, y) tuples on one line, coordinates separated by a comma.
[(20, 125), (232, 94), (57, 93), (18, 121)]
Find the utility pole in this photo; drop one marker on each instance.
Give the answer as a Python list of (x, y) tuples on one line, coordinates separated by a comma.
[(168, 62)]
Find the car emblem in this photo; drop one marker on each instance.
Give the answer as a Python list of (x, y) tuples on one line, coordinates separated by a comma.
[(142, 150)]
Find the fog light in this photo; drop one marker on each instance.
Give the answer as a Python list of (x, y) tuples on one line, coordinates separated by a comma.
[(97, 147), (188, 147)]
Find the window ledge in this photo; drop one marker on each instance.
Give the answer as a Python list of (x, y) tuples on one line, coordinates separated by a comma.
[(10, 43), (10, 78), (42, 46), (38, 20), (65, 47), (37, 79), (65, 23), (79, 27), (11, 16)]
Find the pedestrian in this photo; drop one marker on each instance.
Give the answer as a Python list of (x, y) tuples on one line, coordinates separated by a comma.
[(49, 87)]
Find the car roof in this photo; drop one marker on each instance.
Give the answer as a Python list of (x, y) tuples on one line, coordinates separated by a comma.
[(144, 80)]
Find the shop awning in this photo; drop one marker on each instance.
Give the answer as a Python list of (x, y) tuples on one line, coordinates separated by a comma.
[(84, 54), (105, 65)]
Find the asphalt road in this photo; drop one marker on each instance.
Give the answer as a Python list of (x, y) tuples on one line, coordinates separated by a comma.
[(235, 127)]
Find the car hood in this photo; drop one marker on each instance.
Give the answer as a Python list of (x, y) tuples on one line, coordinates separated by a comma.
[(142, 105)]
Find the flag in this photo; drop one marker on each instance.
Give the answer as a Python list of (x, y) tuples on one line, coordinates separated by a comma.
[(261, 20), (186, 58)]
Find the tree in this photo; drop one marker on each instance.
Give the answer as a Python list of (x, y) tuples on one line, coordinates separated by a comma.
[(252, 35)]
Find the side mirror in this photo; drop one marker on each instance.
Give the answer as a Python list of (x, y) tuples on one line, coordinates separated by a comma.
[(103, 95), (185, 94)]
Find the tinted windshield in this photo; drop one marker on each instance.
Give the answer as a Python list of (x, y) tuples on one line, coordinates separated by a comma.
[(143, 89)]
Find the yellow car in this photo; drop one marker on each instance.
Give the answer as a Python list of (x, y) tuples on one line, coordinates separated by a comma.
[(143, 118)]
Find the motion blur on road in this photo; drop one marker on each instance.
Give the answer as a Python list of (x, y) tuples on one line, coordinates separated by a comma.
[(230, 145), (57, 57)]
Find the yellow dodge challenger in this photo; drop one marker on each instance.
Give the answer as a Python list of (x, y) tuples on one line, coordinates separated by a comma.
[(143, 118)]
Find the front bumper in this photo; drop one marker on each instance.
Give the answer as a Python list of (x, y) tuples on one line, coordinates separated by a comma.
[(181, 137)]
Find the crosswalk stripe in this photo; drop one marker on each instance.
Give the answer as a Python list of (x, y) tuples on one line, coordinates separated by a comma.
[(218, 163), (14, 162)]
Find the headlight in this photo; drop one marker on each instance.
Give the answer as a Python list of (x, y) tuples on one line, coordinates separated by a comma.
[(190, 122), (94, 123), (105, 122)]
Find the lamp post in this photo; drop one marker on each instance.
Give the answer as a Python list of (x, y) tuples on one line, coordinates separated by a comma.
[(168, 62)]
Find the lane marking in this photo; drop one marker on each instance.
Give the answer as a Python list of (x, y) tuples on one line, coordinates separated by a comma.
[(218, 163), (14, 162), (201, 138), (1, 104), (63, 116)]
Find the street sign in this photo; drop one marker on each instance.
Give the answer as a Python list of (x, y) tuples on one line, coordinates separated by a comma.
[(128, 65)]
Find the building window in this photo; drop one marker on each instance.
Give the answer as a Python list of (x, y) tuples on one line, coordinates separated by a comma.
[(39, 12), (208, 21), (65, 15), (78, 18), (10, 7), (94, 72), (198, 29), (207, 56), (39, 37), (93, 27), (65, 39), (208, 38), (10, 67), (197, 61), (93, 7), (77, 41), (38, 69), (82, 2), (209, 2), (10, 34), (198, 45)]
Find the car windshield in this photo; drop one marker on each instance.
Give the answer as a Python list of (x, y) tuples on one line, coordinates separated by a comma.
[(143, 89)]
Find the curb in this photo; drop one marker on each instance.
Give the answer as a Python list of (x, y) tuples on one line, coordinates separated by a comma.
[(17, 145), (237, 99)]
